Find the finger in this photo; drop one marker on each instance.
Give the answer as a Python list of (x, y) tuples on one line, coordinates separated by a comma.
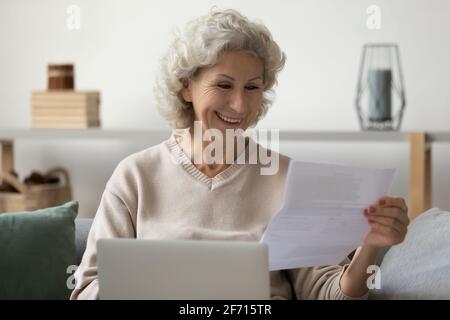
[(393, 202), (390, 212), (390, 223)]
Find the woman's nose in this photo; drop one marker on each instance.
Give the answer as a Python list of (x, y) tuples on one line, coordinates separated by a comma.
[(238, 102)]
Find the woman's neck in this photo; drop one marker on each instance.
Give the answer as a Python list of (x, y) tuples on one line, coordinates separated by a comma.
[(198, 156)]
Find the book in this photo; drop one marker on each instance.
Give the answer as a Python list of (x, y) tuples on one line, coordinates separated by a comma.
[(64, 118), (67, 111), (61, 124), (64, 104), (67, 95)]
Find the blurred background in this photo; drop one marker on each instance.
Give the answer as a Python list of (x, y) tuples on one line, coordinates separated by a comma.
[(118, 44)]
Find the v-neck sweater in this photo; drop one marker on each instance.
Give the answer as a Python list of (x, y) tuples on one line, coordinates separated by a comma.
[(158, 193)]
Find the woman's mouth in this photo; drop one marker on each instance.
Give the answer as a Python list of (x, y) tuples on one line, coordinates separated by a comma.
[(229, 120)]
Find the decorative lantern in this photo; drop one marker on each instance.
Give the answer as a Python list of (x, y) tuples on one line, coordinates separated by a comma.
[(380, 97)]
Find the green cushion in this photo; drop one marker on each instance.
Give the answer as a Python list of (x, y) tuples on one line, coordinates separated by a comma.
[(35, 250)]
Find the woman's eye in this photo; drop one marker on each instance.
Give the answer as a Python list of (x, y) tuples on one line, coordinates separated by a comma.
[(224, 86), (252, 87)]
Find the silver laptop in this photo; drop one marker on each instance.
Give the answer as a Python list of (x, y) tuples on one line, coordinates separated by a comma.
[(182, 269)]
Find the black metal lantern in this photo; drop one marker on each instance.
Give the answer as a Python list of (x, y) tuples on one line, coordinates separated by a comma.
[(380, 96)]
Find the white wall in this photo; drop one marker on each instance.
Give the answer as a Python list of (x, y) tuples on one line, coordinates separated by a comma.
[(119, 44)]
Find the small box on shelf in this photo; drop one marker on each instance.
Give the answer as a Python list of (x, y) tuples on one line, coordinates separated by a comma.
[(61, 77)]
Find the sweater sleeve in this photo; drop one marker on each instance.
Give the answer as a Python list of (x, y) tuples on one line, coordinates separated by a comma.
[(320, 282), (112, 220)]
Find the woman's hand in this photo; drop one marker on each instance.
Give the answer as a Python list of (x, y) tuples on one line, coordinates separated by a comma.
[(388, 219)]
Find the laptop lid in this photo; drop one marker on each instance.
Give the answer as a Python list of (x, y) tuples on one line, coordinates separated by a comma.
[(182, 269)]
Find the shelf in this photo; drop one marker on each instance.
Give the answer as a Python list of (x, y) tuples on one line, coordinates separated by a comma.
[(144, 134), (419, 164), (55, 134)]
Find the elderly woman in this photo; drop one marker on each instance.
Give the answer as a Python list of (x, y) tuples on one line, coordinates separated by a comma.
[(218, 73)]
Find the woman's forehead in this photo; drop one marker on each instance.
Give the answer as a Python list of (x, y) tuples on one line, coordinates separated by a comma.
[(239, 58), (236, 65)]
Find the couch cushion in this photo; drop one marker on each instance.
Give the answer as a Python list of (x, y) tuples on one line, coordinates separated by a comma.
[(419, 267), (36, 249), (82, 228)]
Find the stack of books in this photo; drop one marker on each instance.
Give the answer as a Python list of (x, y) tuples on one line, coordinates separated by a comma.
[(65, 109)]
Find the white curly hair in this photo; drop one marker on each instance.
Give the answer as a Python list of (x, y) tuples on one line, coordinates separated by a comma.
[(200, 45)]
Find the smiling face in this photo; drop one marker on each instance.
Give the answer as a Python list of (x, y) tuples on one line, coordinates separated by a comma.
[(229, 94)]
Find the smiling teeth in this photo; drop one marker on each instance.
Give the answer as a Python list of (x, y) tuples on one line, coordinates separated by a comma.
[(227, 119)]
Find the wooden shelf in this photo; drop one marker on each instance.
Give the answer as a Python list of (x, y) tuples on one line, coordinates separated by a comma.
[(420, 148), (55, 134), (285, 135)]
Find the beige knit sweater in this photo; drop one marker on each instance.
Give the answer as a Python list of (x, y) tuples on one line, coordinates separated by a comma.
[(151, 196)]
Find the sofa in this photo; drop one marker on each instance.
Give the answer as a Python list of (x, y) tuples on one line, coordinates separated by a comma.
[(82, 227), (418, 268), (34, 261)]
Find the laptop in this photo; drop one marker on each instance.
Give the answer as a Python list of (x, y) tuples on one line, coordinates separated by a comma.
[(182, 269)]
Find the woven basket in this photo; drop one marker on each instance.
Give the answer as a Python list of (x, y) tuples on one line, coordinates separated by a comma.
[(33, 197)]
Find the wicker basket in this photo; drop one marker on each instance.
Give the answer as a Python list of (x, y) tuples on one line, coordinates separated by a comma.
[(33, 197)]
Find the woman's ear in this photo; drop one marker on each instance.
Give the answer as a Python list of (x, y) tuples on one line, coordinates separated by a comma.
[(186, 90)]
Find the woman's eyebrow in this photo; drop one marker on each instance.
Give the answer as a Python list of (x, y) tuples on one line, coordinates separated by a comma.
[(227, 76)]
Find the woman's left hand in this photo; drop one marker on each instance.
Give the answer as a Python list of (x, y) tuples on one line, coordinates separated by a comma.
[(388, 219)]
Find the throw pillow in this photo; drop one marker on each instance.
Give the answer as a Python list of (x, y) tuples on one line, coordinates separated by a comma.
[(36, 248)]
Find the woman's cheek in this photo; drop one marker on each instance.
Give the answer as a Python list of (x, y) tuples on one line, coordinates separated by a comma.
[(256, 105)]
